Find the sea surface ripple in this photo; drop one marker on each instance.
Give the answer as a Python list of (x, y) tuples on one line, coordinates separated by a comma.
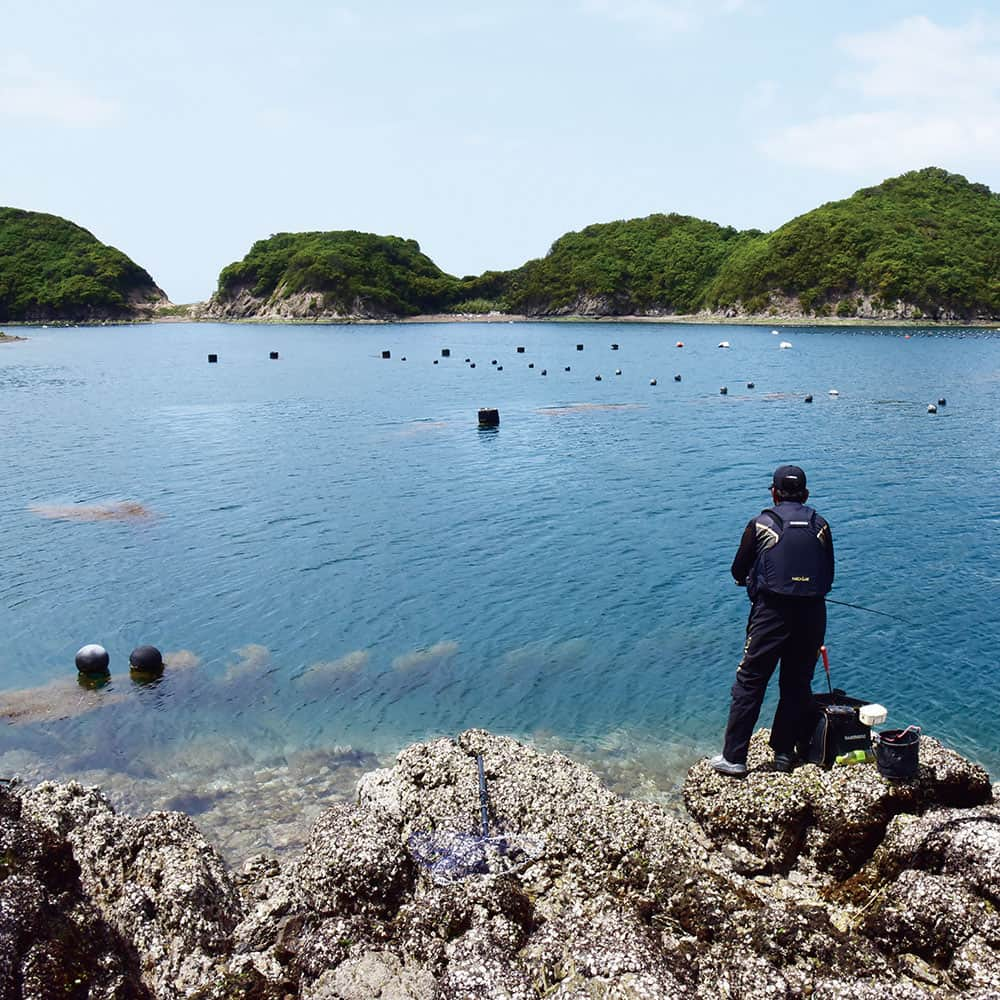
[(339, 561)]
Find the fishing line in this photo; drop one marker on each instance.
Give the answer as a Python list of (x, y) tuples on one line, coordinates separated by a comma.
[(871, 611)]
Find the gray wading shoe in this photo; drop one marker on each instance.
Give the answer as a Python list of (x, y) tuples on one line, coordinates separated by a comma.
[(727, 767)]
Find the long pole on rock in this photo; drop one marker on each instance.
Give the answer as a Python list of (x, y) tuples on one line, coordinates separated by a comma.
[(483, 800)]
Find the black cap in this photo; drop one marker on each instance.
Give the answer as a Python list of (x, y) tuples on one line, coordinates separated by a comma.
[(789, 480)]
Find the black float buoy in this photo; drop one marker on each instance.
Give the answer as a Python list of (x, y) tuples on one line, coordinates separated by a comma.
[(467, 360), (93, 660), (723, 391), (942, 401), (499, 368), (750, 385), (579, 347), (614, 347), (472, 364), (545, 371), (403, 358), (677, 378), (531, 364), (445, 352), (489, 417), (386, 354), (597, 378), (213, 359), (520, 350), (618, 371), (566, 369), (146, 661), (435, 361), (273, 355), (652, 381), (808, 399), (494, 361)]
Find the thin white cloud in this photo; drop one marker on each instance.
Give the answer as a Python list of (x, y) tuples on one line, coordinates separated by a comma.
[(29, 94), (920, 94)]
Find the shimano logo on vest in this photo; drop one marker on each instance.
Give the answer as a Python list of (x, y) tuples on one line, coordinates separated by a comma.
[(798, 563)]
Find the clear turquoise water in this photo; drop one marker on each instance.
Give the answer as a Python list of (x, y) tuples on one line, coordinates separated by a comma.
[(348, 561)]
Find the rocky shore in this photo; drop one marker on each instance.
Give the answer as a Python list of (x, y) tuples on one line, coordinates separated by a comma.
[(823, 884)]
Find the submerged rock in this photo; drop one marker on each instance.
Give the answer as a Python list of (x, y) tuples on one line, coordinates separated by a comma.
[(814, 884)]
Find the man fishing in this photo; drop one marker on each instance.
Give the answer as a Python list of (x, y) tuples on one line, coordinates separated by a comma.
[(785, 560)]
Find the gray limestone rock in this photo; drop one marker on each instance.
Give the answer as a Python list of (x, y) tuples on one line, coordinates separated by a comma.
[(354, 862), (155, 880), (372, 976), (53, 940), (822, 884), (828, 820)]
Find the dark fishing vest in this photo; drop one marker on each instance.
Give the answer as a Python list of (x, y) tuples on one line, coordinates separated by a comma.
[(797, 564)]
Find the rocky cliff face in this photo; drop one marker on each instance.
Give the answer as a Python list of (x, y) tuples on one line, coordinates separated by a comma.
[(242, 304), (815, 884)]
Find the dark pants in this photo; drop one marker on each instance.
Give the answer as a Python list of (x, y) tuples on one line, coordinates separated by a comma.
[(790, 630)]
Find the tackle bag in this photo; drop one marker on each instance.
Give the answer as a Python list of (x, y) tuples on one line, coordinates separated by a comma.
[(835, 729)]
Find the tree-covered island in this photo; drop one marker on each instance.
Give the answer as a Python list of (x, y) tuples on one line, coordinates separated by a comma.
[(923, 246), (52, 270), (919, 247)]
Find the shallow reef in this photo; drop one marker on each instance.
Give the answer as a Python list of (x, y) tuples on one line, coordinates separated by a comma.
[(821, 884)]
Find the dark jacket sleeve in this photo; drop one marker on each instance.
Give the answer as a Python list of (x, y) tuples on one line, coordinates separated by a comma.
[(746, 554)]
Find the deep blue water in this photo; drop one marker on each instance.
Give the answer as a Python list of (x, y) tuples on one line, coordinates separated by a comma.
[(564, 578)]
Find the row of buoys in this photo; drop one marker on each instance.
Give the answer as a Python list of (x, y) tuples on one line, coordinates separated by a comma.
[(94, 663), (213, 359), (492, 415)]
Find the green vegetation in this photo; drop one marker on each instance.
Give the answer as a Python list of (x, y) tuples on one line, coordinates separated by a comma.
[(51, 269), (928, 239), (660, 263), (923, 244), (355, 273)]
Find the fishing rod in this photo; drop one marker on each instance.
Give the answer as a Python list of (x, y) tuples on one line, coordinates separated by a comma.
[(871, 611)]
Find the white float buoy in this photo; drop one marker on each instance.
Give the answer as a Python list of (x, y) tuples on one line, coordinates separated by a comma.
[(92, 659), (784, 345), (652, 381), (833, 392), (618, 371), (774, 333), (724, 343), (931, 408)]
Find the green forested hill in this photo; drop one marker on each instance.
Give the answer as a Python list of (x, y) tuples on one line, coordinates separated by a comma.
[(51, 269), (923, 244), (351, 272), (662, 262), (927, 239)]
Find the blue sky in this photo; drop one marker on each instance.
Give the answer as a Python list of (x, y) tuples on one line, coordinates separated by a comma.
[(182, 132)]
